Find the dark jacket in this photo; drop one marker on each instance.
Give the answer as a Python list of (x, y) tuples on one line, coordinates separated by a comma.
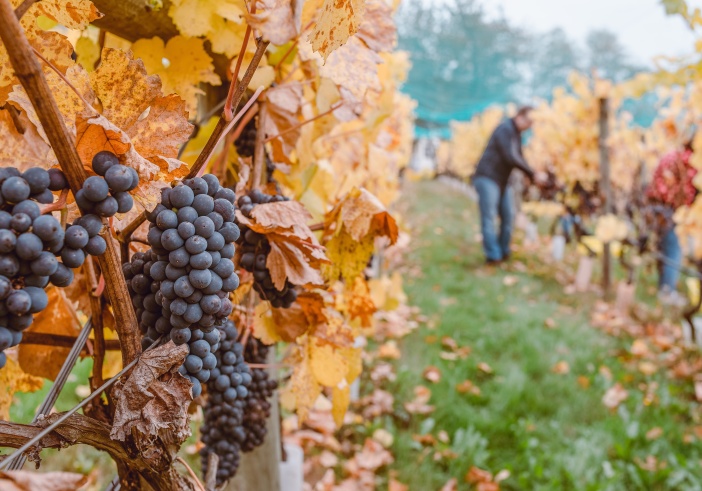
[(503, 153)]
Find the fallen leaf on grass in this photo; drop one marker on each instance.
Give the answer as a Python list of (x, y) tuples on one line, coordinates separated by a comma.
[(550, 323), (561, 368), (419, 404), (448, 301), (451, 485), (640, 348), (395, 485), (389, 350), (44, 481), (384, 437), (614, 396), (605, 372), (654, 433), (426, 440), (328, 459), (443, 437), (432, 374), (485, 368), (449, 343), (510, 280), (583, 382), (503, 475), (466, 387), (647, 368)]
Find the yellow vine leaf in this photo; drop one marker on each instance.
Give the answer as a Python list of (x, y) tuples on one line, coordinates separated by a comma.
[(353, 357), (264, 327), (220, 21), (338, 21), (303, 389), (74, 14), (14, 379), (328, 365), (354, 67), (88, 53), (21, 150), (341, 397), (182, 63), (348, 257)]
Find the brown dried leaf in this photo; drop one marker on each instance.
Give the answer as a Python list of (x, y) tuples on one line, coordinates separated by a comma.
[(432, 374), (290, 323), (378, 29), (338, 21), (281, 217), (360, 303), (295, 260), (275, 20), (59, 317), (363, 214), (22, 150), (155, 397), (278, 120), (41, 481)]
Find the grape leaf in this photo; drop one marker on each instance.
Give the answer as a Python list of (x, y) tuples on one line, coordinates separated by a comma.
[(275, 20), (328, 365), (155, 397), (41, 481), (14, 379), (303, 389), (378, 29), (348, 256), (363, 214), (360, 303), (341, 397), (182, 64), (354, 67), (296, 260), (337, 22), (55, 47), (21, 150)]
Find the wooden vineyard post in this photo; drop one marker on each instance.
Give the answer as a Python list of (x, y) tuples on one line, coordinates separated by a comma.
[(259, 470), (605, 190)]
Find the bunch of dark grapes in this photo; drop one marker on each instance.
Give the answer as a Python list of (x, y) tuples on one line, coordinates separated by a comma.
[(29, 245), (246, 143), (222, 431), (181, 287), (107, 193), (257, 406), (254, 253)]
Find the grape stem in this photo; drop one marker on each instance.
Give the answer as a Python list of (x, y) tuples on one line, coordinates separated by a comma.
[(211, 476), (303, 123), (227, 113), (59, 205), (191, 472), (316, 227), (23, 7)]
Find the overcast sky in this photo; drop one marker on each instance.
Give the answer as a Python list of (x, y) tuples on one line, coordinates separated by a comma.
[(641, 24)]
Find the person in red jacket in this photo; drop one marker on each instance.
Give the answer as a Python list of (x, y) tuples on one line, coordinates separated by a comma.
[(671, 187)]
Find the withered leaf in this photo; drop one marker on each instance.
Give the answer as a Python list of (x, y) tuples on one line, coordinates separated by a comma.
[(41, 481), (295, 260), (275, 20), (155, 397), (339, 20), (378, 29)]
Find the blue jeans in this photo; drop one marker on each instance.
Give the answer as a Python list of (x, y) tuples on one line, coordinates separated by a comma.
[(493, 203), (669, 270)]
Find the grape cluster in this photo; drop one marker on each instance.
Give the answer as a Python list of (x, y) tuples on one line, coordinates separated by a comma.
[(254, 253), (257, 407), (181, 286), (107, 193), (246, 143), (222, 432)]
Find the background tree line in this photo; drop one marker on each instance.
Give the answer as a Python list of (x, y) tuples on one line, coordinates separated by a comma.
[(464, 60)]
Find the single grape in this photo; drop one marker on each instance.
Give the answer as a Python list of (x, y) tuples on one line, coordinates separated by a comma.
[(193, 364), (203, 204), (202, 260), (91, 223), (212, 184), (196, 244), (7, 241), (5, 287), (15, 189), (96, 246), (119, 178), (73, 258), (46, 197), (107, 207), (226, 193), (179, 258), (95, 189), (204, 227), (193, 314), (5, 338), (186, 230), (180, 336), (18, 302), (187, 214), (57, 180), (216, 219), (215, 242), (230, 231), (210, 304), (47, 228), (200, 278), (45, 265), (39, 298), (197, 184), (29, 246), (183, 288), (167, 219), (62, 277), (125, 202), (76, 237), (38, 281), (20, 222), (85, 205), (181, 196), (170, 240), (20, 322)]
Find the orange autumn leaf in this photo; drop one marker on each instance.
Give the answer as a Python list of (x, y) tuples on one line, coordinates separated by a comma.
[(360, 303), (432, 374), (41, 481), (60, 318)]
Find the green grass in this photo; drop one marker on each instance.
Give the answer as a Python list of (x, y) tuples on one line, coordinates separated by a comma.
[(547, 429)]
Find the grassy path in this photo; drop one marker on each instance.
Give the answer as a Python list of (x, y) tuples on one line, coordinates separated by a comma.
[(539, 414)]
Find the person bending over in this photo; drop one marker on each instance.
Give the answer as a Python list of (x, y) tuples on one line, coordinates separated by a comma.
[(491, 181)]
